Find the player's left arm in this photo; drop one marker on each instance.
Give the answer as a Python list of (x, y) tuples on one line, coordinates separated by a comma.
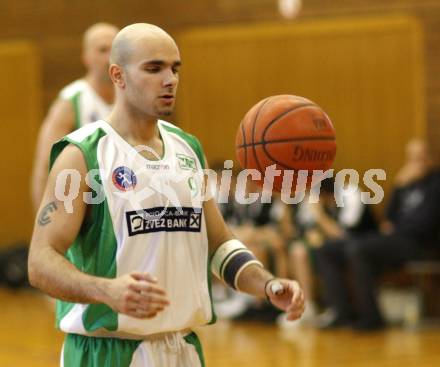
[(236, 266)]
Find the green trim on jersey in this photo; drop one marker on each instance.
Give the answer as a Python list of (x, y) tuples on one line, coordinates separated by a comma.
[(193, 339), (75, 102), (195, 145), (94, 250), (214, 316), (192, 141), (84, 351)]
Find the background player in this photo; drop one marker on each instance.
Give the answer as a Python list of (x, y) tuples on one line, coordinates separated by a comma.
[(83, 101)]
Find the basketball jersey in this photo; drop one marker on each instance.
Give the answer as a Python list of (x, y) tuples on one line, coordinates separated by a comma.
[(88, 106), (147, 216)]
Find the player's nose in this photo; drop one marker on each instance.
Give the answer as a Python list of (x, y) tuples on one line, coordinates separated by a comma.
[(170, 79)]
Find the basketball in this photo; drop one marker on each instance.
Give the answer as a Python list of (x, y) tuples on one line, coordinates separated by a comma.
[(291, 132)]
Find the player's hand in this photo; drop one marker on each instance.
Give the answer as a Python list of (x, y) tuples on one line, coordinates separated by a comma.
[(137, 295), (287, 296)]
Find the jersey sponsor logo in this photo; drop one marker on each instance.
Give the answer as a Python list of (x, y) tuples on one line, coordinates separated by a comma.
[(186, 162), (160, 219), (124, 178)]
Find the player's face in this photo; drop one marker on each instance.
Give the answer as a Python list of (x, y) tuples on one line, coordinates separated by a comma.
[(418, 154), (152, 76), (97, 54)]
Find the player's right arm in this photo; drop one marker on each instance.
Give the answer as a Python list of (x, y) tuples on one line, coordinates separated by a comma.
[(59, 122), (134, 294)]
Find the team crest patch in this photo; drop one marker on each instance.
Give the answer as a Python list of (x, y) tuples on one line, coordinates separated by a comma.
[(124, 178), (186, 162)]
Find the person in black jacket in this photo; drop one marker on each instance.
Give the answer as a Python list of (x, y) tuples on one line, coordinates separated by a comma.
[(307, 226), (412, 223)]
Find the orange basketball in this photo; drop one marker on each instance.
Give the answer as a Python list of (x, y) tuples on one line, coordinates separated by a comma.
[(289, 131)]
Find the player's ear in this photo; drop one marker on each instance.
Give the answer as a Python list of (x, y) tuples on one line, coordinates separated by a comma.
[(117, 75)]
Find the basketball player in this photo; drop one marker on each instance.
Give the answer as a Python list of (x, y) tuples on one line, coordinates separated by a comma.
[(130, 271), (81, 102)]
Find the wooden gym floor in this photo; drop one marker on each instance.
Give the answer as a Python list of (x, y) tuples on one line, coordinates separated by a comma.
[(28, 339)]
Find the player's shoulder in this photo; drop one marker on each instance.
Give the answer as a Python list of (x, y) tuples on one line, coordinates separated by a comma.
[(83, 141), (70, 90), (71, 153), (94, 129), (66, 154)]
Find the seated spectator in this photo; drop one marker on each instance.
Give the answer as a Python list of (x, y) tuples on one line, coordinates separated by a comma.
[(257, 225), (412, 223), (309, 225)]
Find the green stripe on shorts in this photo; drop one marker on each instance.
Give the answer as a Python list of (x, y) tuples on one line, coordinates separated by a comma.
[(86, 351), (194, 340)]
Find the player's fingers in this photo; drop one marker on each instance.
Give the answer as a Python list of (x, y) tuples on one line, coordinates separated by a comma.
[(145, 287), (135, 312), (141, 313), (151, 315), (294, 313), (292, 316), (151, 312), (296, 293), (297, 302), (151, 308), (302, 299), (132, 296), (147, 297), (153, 301), (144, 276), (130, 307)]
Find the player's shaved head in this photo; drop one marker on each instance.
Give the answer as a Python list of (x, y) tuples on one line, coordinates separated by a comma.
[(125, 42), (96, 32), (144, 67), (97, 42)]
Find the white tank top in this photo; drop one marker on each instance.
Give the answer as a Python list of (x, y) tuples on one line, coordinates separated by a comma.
[(151, 220), (88, 106)]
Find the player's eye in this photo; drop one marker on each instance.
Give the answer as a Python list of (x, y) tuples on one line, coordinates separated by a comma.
[(152, 69)]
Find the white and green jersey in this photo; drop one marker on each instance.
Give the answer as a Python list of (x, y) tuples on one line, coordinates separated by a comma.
[(88, 106), (148, 218)]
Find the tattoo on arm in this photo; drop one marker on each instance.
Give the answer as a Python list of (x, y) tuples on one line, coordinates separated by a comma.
[(44, 217)]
